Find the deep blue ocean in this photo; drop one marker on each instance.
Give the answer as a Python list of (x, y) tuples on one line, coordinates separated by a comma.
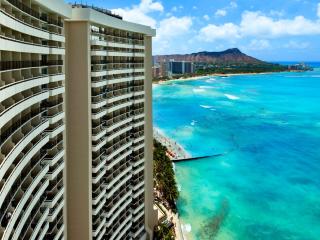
[(266, 185)]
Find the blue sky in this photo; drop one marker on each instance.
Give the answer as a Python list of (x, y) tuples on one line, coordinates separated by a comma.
[(273, 30)]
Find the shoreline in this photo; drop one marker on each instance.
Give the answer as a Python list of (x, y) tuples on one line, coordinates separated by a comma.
[(175, 150), (218, 75), (209, 75), (179, 152)]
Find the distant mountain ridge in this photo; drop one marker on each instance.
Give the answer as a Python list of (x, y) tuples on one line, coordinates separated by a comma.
[(232, 55)]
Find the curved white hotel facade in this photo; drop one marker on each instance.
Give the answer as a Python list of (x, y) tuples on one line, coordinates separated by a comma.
[(32, 87), (75, 123)]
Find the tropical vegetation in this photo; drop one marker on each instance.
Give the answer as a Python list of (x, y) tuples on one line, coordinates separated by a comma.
[(164, 232), (165, 182)]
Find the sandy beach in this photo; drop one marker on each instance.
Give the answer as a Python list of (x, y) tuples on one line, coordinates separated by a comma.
[(209, 75), (176, 151)]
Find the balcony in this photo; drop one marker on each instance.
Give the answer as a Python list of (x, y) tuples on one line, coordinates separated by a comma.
[(121, 186), (14, 86), (98, 167), (26, 12), (117, 148), (56, 91), (112, 107), (98, 101), (55, 211), (16, 171), (119, 229), (97, 145), (118, 120), (20, 142), (12, 65), (11, 197), (55, 129), (43, 231), (122, 203), (32, 193), (15, 107), (125, 128), (99, 114), (125, 155), (97, 209), (98, 176), (137, 233), (137, 194), (96, 231), (111, 181), (17, 23), (54, 171), (101, 82), (28, 216), (37, 227), (96, 160), (54, 196), (113, 41), (20, 45), (98, 195)]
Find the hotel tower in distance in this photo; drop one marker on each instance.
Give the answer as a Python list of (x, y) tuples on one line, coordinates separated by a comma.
[(75, 123)]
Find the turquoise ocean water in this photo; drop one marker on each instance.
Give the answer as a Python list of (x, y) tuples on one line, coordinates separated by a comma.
[(266, 186)]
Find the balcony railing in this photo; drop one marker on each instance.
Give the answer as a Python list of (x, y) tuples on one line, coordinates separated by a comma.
[(34, 13), (10, 65)]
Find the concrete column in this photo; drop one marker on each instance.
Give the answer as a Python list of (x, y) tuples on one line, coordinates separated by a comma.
[(78, 131), (150, 214)]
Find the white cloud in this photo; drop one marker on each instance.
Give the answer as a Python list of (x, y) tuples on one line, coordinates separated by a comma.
[(318, 11), (256, 24), (206, 17), (139, 13), (277, 13), (257, 44), (233, 4), (212, 32), (297, 45), (149, 6), (170, 29), (173, 26), (220, 13)]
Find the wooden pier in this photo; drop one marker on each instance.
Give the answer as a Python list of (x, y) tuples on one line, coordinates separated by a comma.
[(197, 158)]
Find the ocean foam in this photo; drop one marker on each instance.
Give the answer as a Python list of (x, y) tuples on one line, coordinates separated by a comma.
[(206, 106), (206, 87), (198, 90), (187, 227), (231, 97), (211, 80), (225, 164)]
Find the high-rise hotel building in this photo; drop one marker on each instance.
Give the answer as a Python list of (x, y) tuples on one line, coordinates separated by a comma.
[(75, 123), (109, 72), (32, 93)]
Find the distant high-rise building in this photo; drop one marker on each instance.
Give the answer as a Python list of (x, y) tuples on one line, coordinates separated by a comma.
[(32, 113), (179, 67), (156, 71), (109, 127)]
